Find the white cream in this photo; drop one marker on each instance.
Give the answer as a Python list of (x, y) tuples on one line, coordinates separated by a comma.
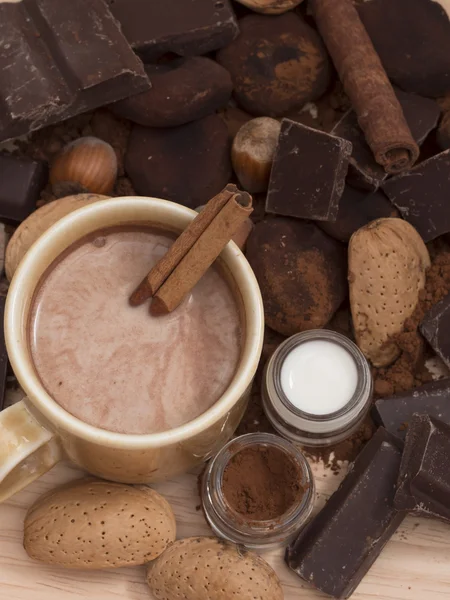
[(319, 377)]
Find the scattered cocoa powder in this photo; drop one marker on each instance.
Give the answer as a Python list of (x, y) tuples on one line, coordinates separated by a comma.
[(261, 483), (408, 370)]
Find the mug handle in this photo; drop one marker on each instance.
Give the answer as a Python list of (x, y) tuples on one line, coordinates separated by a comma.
[(27, 449)]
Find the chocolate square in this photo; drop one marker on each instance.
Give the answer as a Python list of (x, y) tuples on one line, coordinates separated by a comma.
[(21, 182), (308, 173), (435, 327)]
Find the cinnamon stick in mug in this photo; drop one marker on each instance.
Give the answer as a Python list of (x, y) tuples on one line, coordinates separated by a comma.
[(153, 280), (379, 113), (202, 253)]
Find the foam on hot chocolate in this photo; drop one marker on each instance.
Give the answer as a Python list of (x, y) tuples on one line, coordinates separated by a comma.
[(117, 367)]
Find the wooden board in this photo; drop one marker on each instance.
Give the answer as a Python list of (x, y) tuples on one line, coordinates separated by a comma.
[(415, 565)]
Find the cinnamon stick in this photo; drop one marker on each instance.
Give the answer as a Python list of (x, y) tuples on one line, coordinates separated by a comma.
[(379, 113), (153, 281), (202, 254)]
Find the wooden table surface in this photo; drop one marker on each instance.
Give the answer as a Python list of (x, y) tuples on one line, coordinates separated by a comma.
[(415, 565)]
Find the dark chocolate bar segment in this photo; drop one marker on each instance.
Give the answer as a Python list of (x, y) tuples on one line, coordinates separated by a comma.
[(422, 196), (396, 413), (424, 479), (21, 182), (422, 115), (185, 27), (338, 547), (435, 327), (58, 59), (308, 173)]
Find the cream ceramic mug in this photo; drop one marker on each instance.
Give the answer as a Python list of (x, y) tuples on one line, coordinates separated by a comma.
[(37, 432)]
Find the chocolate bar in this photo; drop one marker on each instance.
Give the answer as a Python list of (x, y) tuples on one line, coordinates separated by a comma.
[(422, 195), (184, 27), (422, 115), (435, 327), (338, 547), (396, 413), (357, 208), (3, 353), (308, 173), (59, 59), (21, 182), (424, 479)]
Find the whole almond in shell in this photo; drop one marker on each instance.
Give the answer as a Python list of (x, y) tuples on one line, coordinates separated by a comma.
[(387, 262), (206, 568), (38, 222), (93, 524)]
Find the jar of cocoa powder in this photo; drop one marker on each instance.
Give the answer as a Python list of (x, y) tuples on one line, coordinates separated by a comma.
[(258, 491), (317, 388)]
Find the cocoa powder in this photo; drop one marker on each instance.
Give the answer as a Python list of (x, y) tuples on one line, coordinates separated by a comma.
[(261, 483)]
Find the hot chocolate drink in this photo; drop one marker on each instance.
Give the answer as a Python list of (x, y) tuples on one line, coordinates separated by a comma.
[(117, 367)]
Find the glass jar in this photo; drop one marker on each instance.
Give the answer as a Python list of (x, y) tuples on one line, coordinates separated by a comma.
[(315, 429), (235, 527)]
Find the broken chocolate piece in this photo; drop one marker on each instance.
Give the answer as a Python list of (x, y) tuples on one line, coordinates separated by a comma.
[(59, 59), (308, 173), (3, 353), (424, 479), (443, 134), (338, 547), (188, 164), (183, 90), (356, 209), (21, 182), (435, 328), (421, 114), (396, 413), (422, 196), (412, 39), (185, 28), (277, 63)]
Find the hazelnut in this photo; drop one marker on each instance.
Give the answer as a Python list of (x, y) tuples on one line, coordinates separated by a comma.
[(253, 151), (443, 133), (89, 162), (271, 7)]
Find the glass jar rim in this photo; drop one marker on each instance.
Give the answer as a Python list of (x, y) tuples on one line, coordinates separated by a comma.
[(285, 417)]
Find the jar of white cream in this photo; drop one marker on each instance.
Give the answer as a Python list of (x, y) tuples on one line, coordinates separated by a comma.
[(317, 388)]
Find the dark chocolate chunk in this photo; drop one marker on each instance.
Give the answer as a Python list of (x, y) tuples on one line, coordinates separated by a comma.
[(21, 182), (277, 63), (422, 115), (435, 327), (59, 59), (422, 196), (3, 353), (301, 271), (183, 90), (308, 173), (396, 413), (184, 27), (443, 134), (338, 547), (424, 479), (188, 164), (412, 38), (356, 209)]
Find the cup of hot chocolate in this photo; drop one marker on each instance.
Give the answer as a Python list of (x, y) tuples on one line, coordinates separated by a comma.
[(127, 396)]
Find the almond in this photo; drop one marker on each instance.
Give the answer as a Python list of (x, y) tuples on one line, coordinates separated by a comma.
[(93, 524), (38, 222), (205, 568), (387, 268)]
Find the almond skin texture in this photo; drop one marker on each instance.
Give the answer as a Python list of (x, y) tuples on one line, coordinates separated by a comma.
[(94, 524), (38, 222), (206, 568), (387, 262)]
